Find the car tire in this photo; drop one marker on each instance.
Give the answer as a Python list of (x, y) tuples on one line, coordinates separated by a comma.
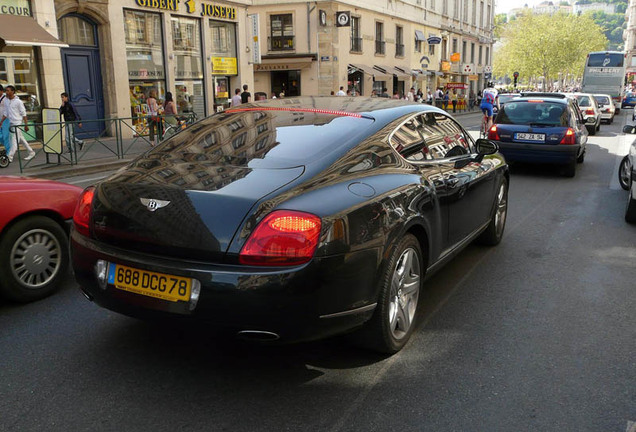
[(624, 173), (393, 320), (569, 170), (494, 233), (43, 243), (581, 157)]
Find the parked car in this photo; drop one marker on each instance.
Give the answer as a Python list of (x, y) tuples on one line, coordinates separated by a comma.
[(629, 100), (606, 107), (541, 130), (292, 219), (590, 111), (627, 176), (34, 225)]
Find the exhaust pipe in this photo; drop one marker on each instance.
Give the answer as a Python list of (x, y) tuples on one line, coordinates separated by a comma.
[(257, 335)]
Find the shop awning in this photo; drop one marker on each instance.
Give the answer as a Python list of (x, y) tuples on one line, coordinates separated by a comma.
[(398, 72), (382, 74), (377, 74), (419, 36), (25, 31), (418, 72)]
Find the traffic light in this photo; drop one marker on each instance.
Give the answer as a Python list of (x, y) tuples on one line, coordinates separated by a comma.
[(515, 75)]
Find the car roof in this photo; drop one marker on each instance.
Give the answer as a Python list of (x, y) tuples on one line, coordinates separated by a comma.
[(543, 98)]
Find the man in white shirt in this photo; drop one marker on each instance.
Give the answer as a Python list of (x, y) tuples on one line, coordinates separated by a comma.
[(341, 92), (15, 113), (410, 96), (236, 99)]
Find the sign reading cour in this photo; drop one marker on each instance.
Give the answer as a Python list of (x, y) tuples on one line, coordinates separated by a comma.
[(209, 10)]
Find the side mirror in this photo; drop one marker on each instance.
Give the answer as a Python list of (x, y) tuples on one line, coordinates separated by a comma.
[(486, 147), (629, 129)]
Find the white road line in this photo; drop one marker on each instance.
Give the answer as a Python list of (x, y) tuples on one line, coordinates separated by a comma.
[(87, 180), (631, 426)]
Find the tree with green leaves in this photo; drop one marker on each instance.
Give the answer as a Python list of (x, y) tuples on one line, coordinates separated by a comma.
[(547, 45)]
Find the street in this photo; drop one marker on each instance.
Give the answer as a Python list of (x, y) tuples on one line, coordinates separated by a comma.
[(536, 334)]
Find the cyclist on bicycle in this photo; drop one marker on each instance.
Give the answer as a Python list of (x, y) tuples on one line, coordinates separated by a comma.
[(489, 100)]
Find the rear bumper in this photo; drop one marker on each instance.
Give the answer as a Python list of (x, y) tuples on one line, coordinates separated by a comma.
[(327, 296), (539, 153), (607, 115)]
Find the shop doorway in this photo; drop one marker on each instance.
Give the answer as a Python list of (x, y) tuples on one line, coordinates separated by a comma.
[(82, 72), (287, 82)]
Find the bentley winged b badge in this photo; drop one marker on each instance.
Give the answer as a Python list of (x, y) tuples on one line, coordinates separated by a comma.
[(153, 204)]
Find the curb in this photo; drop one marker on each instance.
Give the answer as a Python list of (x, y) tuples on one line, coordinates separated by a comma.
[(60, 173)]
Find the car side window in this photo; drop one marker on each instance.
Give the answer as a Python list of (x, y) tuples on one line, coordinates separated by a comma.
[(409, 140), (454, 140)]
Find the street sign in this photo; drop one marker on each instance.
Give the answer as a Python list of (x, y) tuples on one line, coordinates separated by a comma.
[(256, 47), (343, 19)]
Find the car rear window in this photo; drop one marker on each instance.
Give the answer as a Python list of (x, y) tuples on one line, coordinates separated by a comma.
[(584, 101), (602, 100), (540, 113)]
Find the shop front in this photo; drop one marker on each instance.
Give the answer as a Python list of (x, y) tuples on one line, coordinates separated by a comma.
[(20, 58), (189, 93), (224, 62), (144, 56), (282, 76)]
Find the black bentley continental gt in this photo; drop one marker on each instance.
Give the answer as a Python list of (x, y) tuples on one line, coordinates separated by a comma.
[(292, 219)]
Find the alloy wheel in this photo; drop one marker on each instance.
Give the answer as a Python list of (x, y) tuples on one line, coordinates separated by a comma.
[(405, 290)]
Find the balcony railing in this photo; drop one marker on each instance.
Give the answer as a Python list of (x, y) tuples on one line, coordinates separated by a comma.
[(380, 47), (356, 45), (280, 43), (399, 50)]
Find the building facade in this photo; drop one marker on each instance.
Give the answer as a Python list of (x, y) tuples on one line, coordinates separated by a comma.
[(629, 36), (111, 55)]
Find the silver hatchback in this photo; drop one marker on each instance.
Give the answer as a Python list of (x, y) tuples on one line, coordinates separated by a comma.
[(606, 106)]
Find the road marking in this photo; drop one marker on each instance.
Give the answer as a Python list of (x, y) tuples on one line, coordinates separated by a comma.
[(87, 180), (631, 426)]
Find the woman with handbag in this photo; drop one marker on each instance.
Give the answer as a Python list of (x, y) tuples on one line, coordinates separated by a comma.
[(153, 115)]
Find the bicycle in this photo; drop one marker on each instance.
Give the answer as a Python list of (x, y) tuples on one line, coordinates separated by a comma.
[(171, 129), (483, 127)]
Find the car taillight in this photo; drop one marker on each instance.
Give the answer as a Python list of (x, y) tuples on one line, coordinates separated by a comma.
[(282, 238), (589, 111), (82, 214), (569, 138), (492, 133)]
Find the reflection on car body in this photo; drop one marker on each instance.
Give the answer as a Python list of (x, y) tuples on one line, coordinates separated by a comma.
[(295, 218)]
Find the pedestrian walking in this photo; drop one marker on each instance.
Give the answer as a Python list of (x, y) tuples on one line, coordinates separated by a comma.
[(454, 100), (70, 116), (429, 97), (4, 130), (153, 116), (15, 114), (420, 96), (245, 96), (236, 99), (341, 92), (446, 100), (410, 96)]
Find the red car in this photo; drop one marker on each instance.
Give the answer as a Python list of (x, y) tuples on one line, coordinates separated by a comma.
[(35, 217)]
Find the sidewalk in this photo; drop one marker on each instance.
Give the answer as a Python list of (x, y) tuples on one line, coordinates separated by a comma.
[(96, 156)]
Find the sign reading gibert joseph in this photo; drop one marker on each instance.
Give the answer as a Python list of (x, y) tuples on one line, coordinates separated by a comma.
[(206, 9)]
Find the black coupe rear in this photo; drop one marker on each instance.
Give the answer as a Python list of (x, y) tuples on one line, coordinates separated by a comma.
[(292, 219)]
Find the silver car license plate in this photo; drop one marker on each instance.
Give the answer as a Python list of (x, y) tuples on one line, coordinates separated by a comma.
[(530, 137)]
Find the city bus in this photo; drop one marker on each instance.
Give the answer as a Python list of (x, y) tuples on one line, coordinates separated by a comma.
[(604, 73)]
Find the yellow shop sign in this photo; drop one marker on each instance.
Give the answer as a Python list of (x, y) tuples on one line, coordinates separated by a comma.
[(224, 66)]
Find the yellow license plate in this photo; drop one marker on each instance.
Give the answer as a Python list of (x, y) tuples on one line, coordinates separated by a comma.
[(151, 284)]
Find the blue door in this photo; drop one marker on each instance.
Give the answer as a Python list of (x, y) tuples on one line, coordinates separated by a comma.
[(83, 83)]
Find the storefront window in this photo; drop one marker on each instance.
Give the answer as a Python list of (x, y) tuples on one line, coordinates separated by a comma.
[(186, 41), (223, 58), (76, 31), (144, 45), (19, 69), (144, 54)]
